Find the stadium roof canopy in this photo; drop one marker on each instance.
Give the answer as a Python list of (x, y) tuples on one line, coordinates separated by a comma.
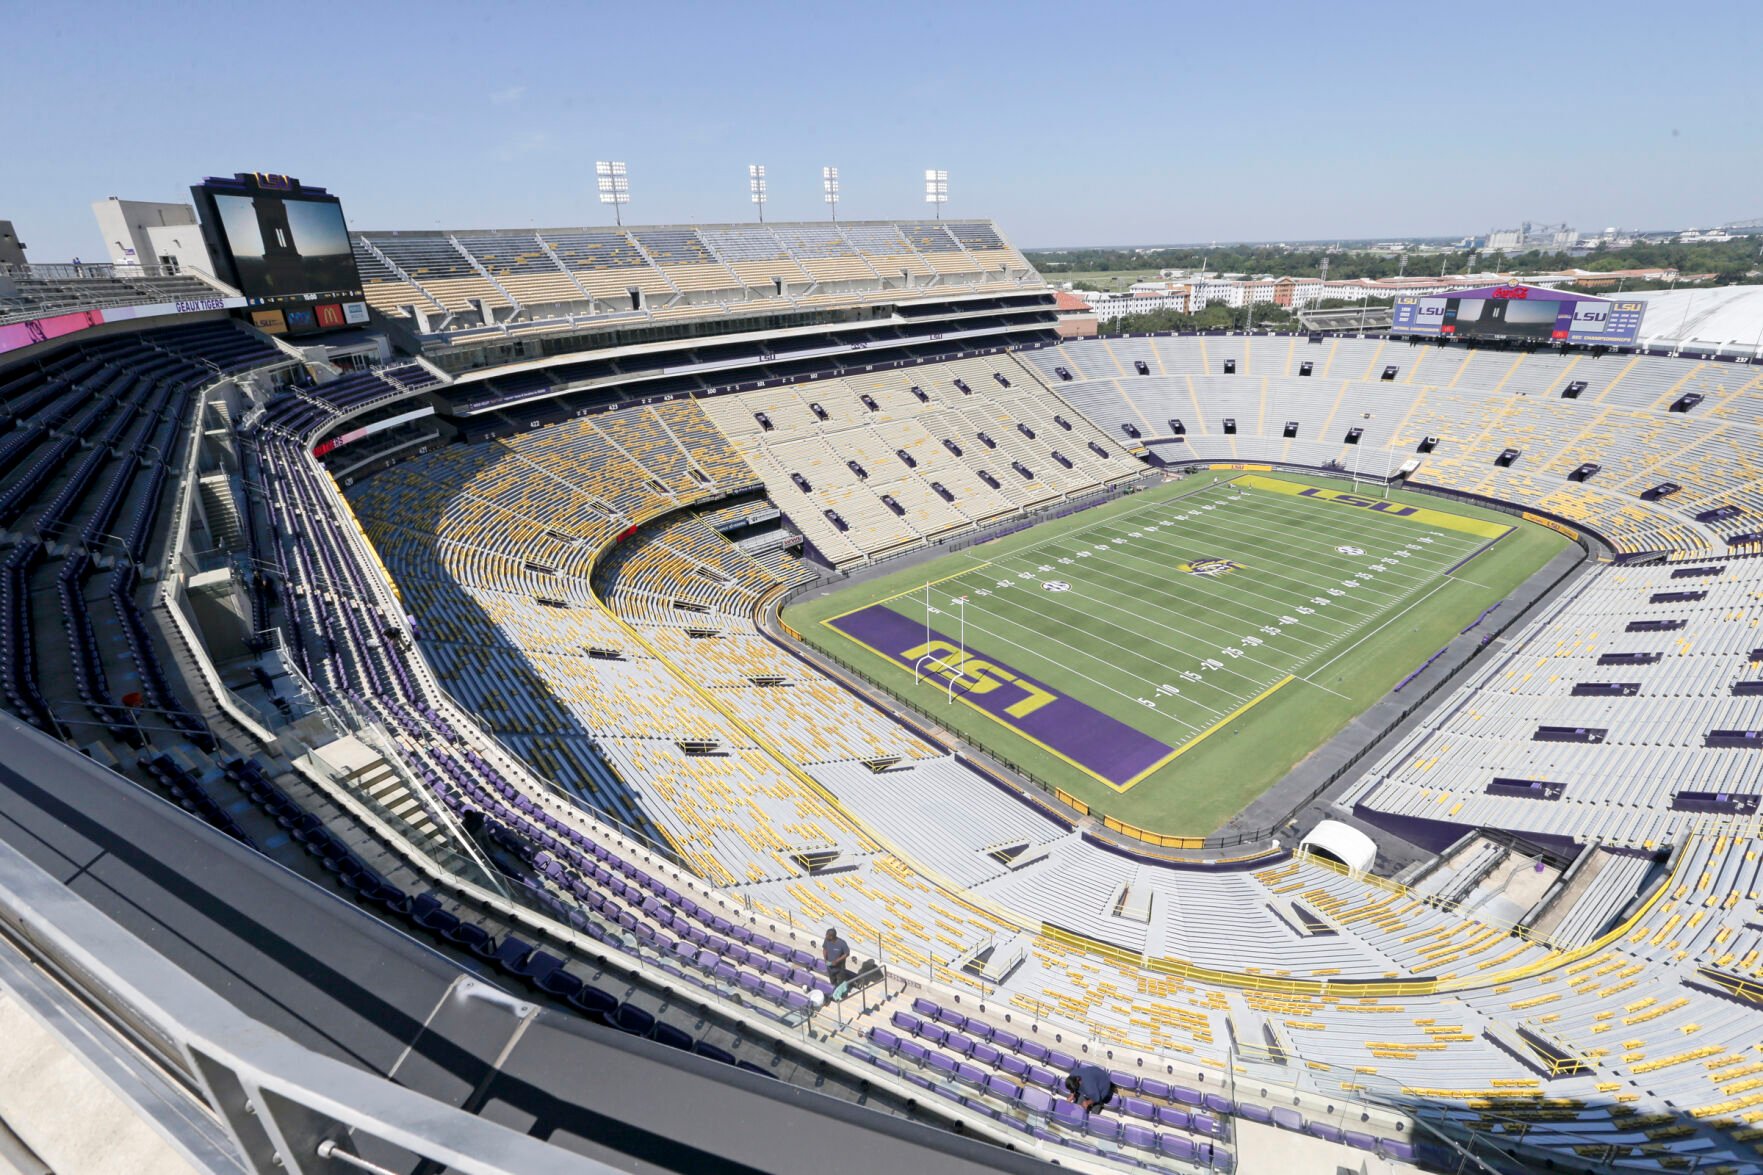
[(1725, 319)]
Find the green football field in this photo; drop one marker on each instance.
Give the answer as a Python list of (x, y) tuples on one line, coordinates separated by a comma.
[(1169, 656)]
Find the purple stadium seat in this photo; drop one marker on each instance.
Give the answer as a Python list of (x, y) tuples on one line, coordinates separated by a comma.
[(1324, 1130), (1132, 1134), (713, 1053), (1173, 1118), (1208, 1125), (632, 1019), (1287, 1118), (1045, 1078), (1124, 1082), (912, 1051), (1355, 1138), (971, 1074), (906, 1021), (1250, 1112), (979, 1107), (1175, 1146), (957, 1043), (1033, 1050), (1002, 1087), (1186, 1096), (1396, 1149), (1036, 1101), (941, 1062), (985, 1054), (883, 1039), (1008, 1041), (594, 1001), (1064, 1062), (1104, 1128), (1218, 1103), (1138, 1107), (1069, 1115), (1014, 1066)]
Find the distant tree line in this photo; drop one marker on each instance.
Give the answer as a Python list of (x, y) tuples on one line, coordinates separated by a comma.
[(1730, 261), (1218, 316)]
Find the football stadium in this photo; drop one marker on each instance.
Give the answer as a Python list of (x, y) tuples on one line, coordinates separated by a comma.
[(764, 696)]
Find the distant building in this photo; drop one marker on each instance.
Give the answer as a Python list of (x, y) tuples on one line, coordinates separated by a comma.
[(145, 233), (11, 248), (1076, 318), (1526, 237), (1141, 298)]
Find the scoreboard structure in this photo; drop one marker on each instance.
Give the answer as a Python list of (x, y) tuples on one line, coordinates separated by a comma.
[(285, 245), (1520, 312)]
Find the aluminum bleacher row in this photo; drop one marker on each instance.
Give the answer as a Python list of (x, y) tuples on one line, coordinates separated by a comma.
[(510, 282), (570, 586), (1472, 404), (1675, 681), (954, 445)]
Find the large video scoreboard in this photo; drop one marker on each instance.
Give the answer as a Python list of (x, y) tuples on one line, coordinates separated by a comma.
[(285, 245), (1520, 312)]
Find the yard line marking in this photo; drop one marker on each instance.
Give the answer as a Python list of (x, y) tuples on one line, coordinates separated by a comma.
[(1391, 620)]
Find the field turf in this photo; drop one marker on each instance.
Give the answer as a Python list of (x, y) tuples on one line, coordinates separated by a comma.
[(1169, 656)]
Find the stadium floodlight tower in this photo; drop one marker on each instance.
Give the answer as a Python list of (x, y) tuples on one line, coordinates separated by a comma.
[(756, 186), (829, 186), (615, 187), (936, 189)]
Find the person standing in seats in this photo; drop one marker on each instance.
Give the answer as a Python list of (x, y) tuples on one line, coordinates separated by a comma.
[(836, 951), (1090, 1086)]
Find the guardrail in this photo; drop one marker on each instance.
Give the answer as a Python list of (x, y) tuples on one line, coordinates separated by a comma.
[(286, 1107)]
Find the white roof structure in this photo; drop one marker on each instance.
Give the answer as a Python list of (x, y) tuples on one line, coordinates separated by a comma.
[(1343, 842), (1724, 320)]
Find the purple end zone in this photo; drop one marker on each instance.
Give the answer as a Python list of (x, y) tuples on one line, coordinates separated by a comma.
[(1104, 746)]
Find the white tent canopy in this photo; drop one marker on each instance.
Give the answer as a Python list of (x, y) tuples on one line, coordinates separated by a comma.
[(1343, 842)]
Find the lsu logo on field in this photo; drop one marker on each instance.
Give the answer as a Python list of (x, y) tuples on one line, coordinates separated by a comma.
[(1211, 568), (972, 675)]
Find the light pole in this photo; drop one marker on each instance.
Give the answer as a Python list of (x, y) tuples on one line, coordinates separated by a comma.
[(756, 186), (936, 189), (829, 185), (615, 187)]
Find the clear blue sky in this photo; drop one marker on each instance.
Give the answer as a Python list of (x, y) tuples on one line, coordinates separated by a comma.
[(1070, 123)]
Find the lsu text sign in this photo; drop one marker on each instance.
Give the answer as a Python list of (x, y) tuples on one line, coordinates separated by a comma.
[(1420, 514), (1557, 527)]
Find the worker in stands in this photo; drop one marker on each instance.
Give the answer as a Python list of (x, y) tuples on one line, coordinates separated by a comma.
[(836, 951), (1089, 1086)]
